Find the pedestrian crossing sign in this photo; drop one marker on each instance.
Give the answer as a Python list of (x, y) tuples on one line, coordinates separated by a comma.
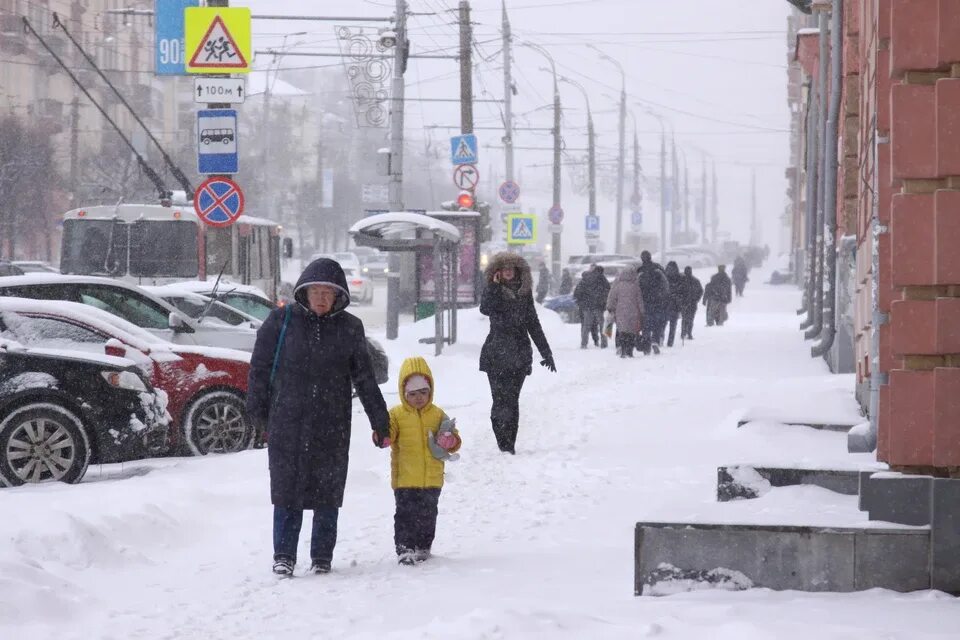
[(463, 149), (521, 228), (217, 39)]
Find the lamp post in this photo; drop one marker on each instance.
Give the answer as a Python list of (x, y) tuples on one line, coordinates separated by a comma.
[(556, 229), (591, 158), (621, 159), (663, 178)]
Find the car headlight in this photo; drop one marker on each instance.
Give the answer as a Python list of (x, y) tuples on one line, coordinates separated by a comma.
[(124, 380), (386, 269)]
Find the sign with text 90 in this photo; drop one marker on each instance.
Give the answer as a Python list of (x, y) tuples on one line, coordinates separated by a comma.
[(168, 18)]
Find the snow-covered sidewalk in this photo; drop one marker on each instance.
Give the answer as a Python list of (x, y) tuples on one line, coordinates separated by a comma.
[(537, 545)]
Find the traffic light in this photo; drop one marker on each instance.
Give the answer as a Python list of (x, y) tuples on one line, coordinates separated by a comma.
[(486, 231), (465, 201)]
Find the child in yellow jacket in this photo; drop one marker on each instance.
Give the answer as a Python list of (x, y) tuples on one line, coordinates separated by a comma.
[(422, 437)]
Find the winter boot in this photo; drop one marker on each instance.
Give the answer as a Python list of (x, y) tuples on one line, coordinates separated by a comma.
[(283, 567), (320, 566), (406, 556), (421, 555)]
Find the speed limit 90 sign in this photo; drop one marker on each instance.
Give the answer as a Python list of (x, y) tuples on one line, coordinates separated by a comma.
[(168, 18)]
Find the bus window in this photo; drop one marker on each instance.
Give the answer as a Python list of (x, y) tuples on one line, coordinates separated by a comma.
[(164, 248), (219, 250), (263, 240), (86, 246)]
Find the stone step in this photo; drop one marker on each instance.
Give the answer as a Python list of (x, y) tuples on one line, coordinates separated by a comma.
[(746, 481), (673, 557)]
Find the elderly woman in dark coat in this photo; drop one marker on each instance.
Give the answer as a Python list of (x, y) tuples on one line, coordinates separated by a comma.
[(308, 358), (507, 357)]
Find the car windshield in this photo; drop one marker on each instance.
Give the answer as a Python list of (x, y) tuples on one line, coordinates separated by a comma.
[(146, 248), (195, 306), (251, 305), (48, 333)]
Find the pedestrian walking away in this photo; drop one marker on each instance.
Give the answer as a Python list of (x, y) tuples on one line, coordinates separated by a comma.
[(625, 302), (308, 358), (566, 283), (716, 296), (656, 292), (740, 275), (675, 300), (591, 296), (506, 356), (692, 292), (422, 439), (543, 283)]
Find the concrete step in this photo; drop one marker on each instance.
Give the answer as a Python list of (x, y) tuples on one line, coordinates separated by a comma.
[(842, 427), (681, 556), (746, 481)]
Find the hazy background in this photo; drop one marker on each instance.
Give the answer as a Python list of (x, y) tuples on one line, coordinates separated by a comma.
[(715, 70)]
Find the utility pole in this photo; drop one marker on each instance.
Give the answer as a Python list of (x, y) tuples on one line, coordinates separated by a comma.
[(466, 69), (675, 211), (664, 185), (555, 264), (703, 203), (686, 197), (591, 135), (396, 164), (754, 222), (714, 204), (620, 168), (75, 148), (507, 94)]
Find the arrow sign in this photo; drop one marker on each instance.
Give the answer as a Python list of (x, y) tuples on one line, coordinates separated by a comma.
[(223, 90), (466, 177)]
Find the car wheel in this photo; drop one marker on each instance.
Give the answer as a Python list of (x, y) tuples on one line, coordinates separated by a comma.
[(42, 442), (217, 423)]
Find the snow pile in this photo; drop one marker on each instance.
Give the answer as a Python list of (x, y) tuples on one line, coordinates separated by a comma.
[(29, 380), (668, 580)]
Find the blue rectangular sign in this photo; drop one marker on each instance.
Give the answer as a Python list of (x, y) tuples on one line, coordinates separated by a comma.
[(592, 223), (463, 149), (217, 141), (170, 55), (636, 218)]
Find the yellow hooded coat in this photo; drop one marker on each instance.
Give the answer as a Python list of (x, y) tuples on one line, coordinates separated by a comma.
[(411, 463)]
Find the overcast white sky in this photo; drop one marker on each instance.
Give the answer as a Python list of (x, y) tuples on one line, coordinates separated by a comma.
[(716, 70)]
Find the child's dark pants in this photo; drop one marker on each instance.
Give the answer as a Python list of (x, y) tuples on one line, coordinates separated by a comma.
[(415, 522)]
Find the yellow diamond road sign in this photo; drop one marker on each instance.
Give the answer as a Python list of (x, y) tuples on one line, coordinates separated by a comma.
[(521, 228), (217, 39)]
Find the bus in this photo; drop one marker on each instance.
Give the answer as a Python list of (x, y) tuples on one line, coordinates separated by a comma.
[(154, 245)]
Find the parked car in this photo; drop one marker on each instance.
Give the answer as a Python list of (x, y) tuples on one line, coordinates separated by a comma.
[(62, 410), (199, 307), (132, 304), (7, 269), (346, 259), (242, 297), (375, 265), (361, 287), (565, 306), (34, 266), (206, 386)]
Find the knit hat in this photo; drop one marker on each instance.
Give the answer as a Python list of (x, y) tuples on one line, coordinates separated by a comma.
[(415, 383)]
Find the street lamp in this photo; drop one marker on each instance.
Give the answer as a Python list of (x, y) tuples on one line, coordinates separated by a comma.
[(663, 176), (557, 229), (591, 158), (621, 160)]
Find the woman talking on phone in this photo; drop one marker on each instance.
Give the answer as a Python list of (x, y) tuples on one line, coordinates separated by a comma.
[(507, 357)]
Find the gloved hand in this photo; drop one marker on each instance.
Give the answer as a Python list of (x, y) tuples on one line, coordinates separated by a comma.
[(379, 441), (549, 363), (446, 440)]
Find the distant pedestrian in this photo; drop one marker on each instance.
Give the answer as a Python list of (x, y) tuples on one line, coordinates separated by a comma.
[(422, 438), (716, 296), (740, 273), (309, 357), (692, 292), (566, 283), (591, 297), (656, 292), (625, 302), (675, 300), (543, 283), (506, 356)]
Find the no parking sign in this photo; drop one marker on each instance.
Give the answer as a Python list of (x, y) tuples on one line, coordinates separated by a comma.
[(218, 201)]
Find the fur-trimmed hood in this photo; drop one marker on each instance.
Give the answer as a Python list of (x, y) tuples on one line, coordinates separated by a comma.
[(506, 259)]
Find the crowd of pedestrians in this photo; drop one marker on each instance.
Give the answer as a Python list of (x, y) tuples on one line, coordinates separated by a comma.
[(647, 304)]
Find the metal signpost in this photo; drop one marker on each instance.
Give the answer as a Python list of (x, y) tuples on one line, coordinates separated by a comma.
[(217, 148), (218, 201), (170, 54)]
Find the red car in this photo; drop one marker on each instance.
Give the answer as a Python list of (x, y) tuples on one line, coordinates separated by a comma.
[(206, 386)]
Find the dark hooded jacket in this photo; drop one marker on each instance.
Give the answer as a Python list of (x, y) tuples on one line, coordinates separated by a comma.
[(513, 319), (592, 290), (692, 291), (719, 289), (655, 288), (675, 280), (307, 408)]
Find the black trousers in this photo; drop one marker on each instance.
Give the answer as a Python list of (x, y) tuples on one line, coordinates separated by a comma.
[(415, 520), (505, 390), (626, 342), (686, 325), (673, 318)]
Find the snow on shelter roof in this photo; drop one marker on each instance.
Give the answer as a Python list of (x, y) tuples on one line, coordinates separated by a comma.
[(397, 222)]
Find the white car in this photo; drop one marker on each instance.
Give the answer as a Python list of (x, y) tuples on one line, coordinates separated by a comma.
[(361, 287), (200, 307), (134, 305), (346, 259), (243, 297)]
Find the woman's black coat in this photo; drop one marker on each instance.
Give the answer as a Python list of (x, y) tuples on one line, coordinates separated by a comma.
[(307, 409), (513, 322)]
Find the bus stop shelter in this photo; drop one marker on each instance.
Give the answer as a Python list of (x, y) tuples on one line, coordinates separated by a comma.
[(422, 234)]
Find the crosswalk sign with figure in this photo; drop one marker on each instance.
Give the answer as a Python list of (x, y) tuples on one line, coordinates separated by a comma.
[(463, 149), (521, 228)]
